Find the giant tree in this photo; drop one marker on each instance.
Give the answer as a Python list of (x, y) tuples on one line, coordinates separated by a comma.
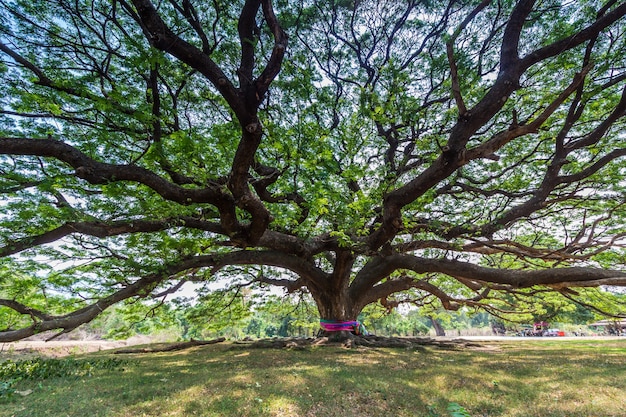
[(456, 153)]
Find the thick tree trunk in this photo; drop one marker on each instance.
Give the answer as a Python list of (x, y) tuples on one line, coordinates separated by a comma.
[(336, 301), (332, 297), (439, 331), (336, 307)]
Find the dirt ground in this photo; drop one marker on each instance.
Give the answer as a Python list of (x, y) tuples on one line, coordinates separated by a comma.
[(25, 349)]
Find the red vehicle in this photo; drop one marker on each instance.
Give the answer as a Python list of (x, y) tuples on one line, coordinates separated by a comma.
[(540, 329)]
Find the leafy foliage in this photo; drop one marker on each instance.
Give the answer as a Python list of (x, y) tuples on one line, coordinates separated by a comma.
[(43, 368), (458, 411), (445, 155)]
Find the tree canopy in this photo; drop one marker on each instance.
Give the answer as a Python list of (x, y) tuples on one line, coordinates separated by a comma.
[(444, 154)]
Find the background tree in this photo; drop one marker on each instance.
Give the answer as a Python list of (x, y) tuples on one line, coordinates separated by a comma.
[(356, 150)]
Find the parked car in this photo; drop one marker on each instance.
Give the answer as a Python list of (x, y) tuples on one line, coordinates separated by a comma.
[(554, 333)]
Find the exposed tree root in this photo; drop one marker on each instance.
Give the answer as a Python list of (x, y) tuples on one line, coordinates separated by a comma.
[(354, 341), (177, 346), (300, 343)]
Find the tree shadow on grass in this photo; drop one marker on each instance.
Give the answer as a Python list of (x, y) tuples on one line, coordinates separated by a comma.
[(231, 380)]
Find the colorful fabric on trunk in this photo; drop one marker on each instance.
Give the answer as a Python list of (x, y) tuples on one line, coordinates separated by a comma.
[(340, 326)]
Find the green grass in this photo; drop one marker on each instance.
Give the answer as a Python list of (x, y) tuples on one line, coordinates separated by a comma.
[(525, 379)]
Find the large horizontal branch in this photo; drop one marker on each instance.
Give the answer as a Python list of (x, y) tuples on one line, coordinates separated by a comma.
[(380, 268), (96, 172), (289, 284), (103, 229), (304, 268), (286, 243), (140, 288), (22, 309), (573, 276)]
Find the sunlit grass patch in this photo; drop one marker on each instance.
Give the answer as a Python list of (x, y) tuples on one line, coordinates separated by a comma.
[(518, 380)]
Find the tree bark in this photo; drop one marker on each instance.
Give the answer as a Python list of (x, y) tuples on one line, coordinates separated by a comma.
[(170, 348), (439, 330)]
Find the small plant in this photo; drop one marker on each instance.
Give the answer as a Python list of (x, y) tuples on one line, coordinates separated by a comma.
[(454, 410), (6, 389), (457, 410), (432, 412), (42, 368)]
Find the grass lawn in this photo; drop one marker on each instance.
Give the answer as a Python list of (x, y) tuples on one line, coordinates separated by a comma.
[(523, 379)]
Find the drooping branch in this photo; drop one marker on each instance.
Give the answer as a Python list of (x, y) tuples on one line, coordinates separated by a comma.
[(385, 289), (289, 285), (46, 81), (144, 286), (592, 307), (71, 321), (405, 282)]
